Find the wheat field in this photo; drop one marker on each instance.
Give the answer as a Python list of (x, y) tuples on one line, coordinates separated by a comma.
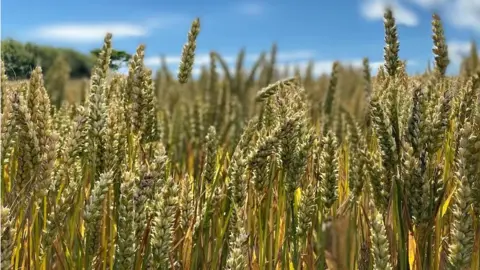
[(245, 169)]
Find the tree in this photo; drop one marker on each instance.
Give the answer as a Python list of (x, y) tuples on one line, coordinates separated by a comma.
[(117, 59), (19, 62), (56, 79), (79, 63), (21, 58)]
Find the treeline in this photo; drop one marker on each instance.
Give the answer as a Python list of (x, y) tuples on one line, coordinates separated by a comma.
[(20, 59)]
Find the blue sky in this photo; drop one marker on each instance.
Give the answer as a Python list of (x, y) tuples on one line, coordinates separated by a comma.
[(324, 31)]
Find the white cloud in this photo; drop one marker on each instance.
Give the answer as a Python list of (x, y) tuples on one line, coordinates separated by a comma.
[(376, 65), (95, 31), (374, 10), (89, 32), (428, 3), (295, 55), (287, 59), (460, 13), (283, 56), (457, 50), (200, 59), (251, 8), (166, 20), (322, 67), (204, 58), (123, 70), (464, 13)]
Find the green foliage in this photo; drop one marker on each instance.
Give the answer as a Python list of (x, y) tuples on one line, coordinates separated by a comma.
[(117, 59), (56, 79), (21, 58), (19, 61)]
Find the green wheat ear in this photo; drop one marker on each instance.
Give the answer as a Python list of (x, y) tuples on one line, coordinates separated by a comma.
[(8, 238), (380, 245), (392, 45), (188, 53), (440, 48)]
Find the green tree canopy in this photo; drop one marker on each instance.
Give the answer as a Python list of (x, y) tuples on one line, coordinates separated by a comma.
[(117, 58), (21, 58), (18, 60)]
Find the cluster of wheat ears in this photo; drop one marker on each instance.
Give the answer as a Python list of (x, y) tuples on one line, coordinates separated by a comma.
[(161, 173)]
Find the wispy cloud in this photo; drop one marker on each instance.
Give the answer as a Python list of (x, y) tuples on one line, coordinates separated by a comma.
[(201, 59), (321, 67), (204, 58), (428, 3), (324, 67), (287, 56), (299, 59), (95, 31), (250, 8), (89, 32), (460, 13), (285, 60), (457, 50), (374, 10), (464, 14)]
